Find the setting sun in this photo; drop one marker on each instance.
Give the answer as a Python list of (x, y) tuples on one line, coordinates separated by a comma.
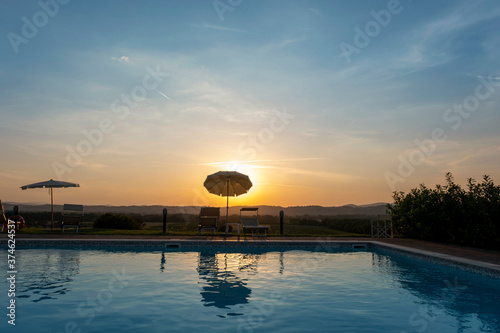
[(140, 115)]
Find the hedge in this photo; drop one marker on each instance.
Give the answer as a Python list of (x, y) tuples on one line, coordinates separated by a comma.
[(116, 221), (450, 214)]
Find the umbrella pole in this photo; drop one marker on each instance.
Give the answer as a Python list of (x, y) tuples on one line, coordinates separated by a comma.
[(52, 208), (227, 205)]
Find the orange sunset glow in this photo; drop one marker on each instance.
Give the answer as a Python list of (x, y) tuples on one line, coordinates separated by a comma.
[(315, 112)]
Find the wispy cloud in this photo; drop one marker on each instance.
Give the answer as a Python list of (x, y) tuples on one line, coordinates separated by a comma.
[(217, 27), (315, 11), (431, 42), (14, 175), (285, 42), (122, 59), (338, 177), (495, 78), (279, 160), (310, 133)]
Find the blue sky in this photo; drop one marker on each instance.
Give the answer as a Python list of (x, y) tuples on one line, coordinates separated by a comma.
[(262, 87)]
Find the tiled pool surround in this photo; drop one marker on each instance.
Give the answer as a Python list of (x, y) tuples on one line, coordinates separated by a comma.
[(246, 245)]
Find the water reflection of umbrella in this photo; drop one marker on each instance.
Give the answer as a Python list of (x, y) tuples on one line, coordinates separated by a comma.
[(227, 183), (223, 288), (50, 184)]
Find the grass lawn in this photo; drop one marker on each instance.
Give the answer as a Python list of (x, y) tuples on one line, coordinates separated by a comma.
[(152, 229)]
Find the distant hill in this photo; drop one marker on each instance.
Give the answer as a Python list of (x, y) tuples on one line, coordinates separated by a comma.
[(347, 210)]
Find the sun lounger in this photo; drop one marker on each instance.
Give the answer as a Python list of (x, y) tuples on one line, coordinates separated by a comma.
[(209, 217), (72, 216), (252, 222)]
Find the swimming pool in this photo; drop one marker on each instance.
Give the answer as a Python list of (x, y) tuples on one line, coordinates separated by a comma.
[(262, 290)]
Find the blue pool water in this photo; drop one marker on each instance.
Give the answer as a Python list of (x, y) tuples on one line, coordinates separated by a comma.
[(374, 290)]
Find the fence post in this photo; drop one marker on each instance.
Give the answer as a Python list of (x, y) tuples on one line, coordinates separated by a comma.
[(282, 214), (164, 220)]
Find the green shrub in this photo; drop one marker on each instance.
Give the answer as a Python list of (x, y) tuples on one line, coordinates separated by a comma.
[(116, 221), (450, 214)]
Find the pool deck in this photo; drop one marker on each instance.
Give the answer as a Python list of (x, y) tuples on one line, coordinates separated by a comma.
[(465, 255)]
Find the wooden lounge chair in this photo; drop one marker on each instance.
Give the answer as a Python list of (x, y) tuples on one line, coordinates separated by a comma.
[(72, 216), (209, 217), (252, 222)]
